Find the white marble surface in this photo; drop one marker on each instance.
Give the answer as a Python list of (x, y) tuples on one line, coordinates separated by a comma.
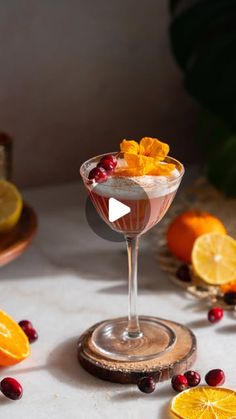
[(70, 279)]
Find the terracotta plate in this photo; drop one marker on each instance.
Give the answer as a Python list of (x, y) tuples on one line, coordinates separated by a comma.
[(14, 243)]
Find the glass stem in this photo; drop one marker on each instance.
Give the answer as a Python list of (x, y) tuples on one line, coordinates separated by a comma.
[(133, 328)]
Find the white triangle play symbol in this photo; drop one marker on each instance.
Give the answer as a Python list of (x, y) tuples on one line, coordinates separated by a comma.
[(116, 209)]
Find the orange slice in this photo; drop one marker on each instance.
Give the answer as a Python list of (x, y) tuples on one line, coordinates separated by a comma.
[(214, 258), (205, 403), (14, 344)]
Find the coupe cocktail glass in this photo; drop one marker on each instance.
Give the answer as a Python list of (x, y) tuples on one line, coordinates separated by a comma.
[(134, 338)]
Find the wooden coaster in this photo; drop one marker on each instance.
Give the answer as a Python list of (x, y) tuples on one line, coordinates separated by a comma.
[(14, 242), (177, 360)]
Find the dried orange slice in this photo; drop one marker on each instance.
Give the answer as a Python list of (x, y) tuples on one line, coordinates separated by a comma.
[(14, 344), (205, 403), (214, 258)]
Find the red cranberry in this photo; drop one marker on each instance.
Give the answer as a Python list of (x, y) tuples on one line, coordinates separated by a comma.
[(215, 314), (179, 382), (25, 323), (193, 378), (29, 330), (183, 273), (31, 334), (98, 174), (215, 377), (146, 384), (11, 388), (108, 163), (109, 158)]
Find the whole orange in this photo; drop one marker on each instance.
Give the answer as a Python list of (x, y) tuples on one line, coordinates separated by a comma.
[(187, 227)]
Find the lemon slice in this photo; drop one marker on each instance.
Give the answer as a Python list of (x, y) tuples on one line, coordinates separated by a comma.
[(205, 403), (214, 258), (10, 205)]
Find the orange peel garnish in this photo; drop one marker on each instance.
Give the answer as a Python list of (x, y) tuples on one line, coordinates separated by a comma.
[(144, 158)]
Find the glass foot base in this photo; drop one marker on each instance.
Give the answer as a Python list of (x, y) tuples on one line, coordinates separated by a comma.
[(111, 339)]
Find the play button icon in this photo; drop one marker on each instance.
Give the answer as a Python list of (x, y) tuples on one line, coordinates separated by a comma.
[(105, 208), (117, 209)]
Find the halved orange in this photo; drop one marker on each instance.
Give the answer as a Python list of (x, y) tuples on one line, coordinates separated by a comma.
[(14, 344), (205, 403)]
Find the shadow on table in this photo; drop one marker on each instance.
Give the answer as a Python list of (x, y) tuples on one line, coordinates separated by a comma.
[(134, 395), (62, 363), (96, 264), (4, 400), (225, 330), (198, 324)]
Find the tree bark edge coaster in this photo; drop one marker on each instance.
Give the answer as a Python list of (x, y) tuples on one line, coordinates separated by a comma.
[(176, 361)]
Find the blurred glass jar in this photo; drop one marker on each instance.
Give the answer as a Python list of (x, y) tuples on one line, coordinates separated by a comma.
[(5, 156)]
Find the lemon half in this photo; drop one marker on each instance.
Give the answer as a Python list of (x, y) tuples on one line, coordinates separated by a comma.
[(11, 204), (214, 258)]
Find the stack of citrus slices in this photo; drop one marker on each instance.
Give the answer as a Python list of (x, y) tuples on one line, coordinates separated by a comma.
[(200, 240)]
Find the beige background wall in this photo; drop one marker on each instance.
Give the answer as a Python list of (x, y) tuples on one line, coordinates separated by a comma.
[(76, 76)]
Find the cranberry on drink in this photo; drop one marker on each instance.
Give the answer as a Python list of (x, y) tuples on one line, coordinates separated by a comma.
[(98, 174), (111, 158), (11, 388), (108, 163), (179, 382), (146, 384), (215, 314), (193, 378), (215, 377)]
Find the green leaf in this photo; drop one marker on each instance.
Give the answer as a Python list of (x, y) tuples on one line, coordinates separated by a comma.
[(203, 38), (211, 132), (173, 4), (222, 168)]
